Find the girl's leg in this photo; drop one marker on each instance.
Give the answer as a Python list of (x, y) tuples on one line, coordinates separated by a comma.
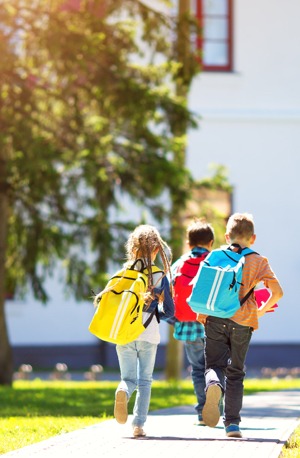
[(127, 356), (146, 360), (128, 360)]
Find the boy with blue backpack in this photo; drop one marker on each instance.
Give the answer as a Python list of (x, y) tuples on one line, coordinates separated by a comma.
[(228, 339)]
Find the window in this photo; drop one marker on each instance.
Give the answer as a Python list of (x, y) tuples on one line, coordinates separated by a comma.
[(215, 20)]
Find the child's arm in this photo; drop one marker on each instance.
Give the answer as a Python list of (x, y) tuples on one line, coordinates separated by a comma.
[(276, 294), (164, 300)]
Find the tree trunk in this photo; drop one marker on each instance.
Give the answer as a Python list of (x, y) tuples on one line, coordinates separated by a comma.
[(6, 360), (174, 356)]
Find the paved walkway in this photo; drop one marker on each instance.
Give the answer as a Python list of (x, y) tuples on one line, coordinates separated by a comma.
[(268, 420)]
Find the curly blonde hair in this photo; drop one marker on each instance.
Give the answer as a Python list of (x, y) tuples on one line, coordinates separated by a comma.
[(144, 243)]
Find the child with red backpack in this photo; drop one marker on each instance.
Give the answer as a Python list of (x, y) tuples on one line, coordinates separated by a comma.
[(200, 238)]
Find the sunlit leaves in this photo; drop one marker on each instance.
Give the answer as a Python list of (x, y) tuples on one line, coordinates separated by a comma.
[(88, 103)]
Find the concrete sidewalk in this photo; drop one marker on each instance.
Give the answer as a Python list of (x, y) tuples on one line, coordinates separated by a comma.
[(268, 420)]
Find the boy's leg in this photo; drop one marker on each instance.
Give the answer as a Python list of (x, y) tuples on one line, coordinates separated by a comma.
[(240, 337), (217, 352), (146, 361), (195, 355)]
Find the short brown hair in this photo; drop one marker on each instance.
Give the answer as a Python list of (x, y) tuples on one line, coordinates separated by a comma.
[(199, 232), (240, 226)]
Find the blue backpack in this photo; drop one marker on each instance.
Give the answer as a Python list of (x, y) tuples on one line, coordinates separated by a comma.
[(217, 284)]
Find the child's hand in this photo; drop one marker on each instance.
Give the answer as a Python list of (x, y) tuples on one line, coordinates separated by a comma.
[(261, 311), (201, 318), (160, 298)]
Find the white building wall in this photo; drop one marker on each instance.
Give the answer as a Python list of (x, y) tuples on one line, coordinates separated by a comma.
[(61, 321), (251, 124)]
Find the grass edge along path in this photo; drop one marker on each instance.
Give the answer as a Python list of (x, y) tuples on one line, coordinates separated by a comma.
[(32, 411), (292, 448)]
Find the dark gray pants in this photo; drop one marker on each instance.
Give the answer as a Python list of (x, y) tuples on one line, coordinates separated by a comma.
[(226, 348)]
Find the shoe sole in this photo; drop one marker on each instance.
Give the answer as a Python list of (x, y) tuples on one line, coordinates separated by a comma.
[(234, 434), (140, 433), (120, 409), (211, 411)]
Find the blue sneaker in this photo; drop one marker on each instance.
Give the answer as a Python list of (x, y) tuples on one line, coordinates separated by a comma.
[(233, 431)]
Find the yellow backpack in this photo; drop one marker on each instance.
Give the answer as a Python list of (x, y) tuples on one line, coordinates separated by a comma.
[(118, 318)]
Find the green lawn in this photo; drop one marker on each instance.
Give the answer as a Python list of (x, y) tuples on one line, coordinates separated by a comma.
[(32, 411)]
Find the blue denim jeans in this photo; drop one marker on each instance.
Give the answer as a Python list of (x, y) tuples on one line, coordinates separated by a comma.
[(226, 349), (195, 355), (136, 361)]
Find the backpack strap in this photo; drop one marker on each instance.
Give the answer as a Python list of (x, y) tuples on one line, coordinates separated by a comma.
[(140, 269), (155, 312), (240, 250), (235, 245), (242, 301), (156, 269), (151, 315), (249, 251), (143, 269)]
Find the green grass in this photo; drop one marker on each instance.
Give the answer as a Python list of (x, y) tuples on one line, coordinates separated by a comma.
[(32, 411), (292, 448)]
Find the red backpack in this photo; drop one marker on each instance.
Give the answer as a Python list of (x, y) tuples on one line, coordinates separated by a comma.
[(185, 272)]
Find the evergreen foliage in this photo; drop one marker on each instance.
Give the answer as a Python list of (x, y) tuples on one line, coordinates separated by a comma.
[(88, 105)]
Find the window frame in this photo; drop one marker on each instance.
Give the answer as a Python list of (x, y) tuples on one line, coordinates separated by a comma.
[(228, 67)]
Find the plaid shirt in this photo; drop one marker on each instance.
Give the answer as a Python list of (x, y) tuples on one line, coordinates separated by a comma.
[(188, 330)]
